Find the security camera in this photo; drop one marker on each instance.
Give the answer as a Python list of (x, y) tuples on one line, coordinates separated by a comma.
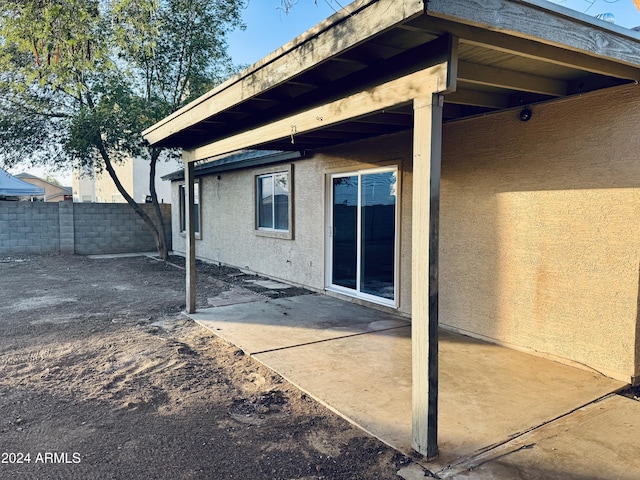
[(526, 114)]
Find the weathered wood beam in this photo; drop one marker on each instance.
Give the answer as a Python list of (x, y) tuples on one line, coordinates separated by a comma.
[(387, 95), (522, 47), (553, 55), (289, 62), (388, 118), (502, 78), (304, 85), (427, 151), (190, 217), (411, 61), (540, 25), (476, 98)]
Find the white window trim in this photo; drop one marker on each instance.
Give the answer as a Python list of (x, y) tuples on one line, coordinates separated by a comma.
[(182, 208), (272, 232)]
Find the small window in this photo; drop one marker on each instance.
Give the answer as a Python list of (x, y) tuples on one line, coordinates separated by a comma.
[(183, 208), (273, 204)]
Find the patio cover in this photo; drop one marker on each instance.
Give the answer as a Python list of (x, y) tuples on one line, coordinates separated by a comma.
[(384, 66), (12, 186)]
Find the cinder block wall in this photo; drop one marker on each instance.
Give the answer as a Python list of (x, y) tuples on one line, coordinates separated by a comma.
[(29, 228), (81, 228), (114, 228)]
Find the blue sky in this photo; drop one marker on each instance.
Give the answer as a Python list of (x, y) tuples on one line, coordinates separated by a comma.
[(268, 27)]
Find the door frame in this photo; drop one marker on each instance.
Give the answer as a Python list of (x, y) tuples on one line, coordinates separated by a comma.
[(328, 240)]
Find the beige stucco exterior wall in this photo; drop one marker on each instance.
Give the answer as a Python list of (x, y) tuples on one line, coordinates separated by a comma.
[(52, 193), (134, 176), (228, 234), (540, 229), (100, 188)]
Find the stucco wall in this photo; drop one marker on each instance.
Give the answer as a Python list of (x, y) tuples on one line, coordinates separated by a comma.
[(134, 176), (540, 229), (52, 193), (228, 234), (540, 226)]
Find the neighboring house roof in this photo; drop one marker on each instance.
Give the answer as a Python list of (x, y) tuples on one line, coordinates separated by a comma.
[(52, 191), (237, 160), (505, 54), (12, 186), (25, 176)]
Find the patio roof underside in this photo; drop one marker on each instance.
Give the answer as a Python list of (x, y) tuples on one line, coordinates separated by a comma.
[(495, 71)]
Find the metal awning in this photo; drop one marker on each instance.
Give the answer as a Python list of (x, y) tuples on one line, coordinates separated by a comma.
[(14, 187)]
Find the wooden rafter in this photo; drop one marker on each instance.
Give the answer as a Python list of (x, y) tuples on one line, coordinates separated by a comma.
[(390, 94)]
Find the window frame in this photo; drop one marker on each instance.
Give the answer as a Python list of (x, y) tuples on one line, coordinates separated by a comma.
[(197, 187), (273, 232)]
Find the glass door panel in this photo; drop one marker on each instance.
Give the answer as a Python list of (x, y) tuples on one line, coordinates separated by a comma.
[(378, 234), (345, 232), (363, 234)]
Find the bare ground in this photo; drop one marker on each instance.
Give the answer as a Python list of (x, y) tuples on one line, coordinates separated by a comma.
[(102, 377)]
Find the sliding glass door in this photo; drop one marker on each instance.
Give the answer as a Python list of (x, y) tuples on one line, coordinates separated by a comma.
[(363, 234)]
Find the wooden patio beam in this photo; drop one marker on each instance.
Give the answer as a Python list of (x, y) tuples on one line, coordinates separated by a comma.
[(387, 95), (427, 149), (502, 78), (190, 217), (361, 21), (541, 26), (465, 96)]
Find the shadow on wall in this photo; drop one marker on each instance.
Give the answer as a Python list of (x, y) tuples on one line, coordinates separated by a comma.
[(540, 228)]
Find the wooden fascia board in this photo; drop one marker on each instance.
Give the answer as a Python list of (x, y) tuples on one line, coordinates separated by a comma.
[(525, 19), (503, 78), (585, 18), (375, 18), (396, 92), (526, 48)]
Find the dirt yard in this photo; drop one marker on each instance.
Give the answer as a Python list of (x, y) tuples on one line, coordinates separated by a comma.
[(102, 377)]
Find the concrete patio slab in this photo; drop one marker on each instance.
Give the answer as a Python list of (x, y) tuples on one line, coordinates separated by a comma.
[(365, 378), (291, 321), (235, 296), (357, 361), (597, 442), (489, 394)]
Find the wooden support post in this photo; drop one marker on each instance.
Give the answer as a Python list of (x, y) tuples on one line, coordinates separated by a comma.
[(190, 218), (427, 146)]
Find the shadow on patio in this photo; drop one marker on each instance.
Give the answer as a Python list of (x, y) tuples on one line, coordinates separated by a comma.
[(357, 361)]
